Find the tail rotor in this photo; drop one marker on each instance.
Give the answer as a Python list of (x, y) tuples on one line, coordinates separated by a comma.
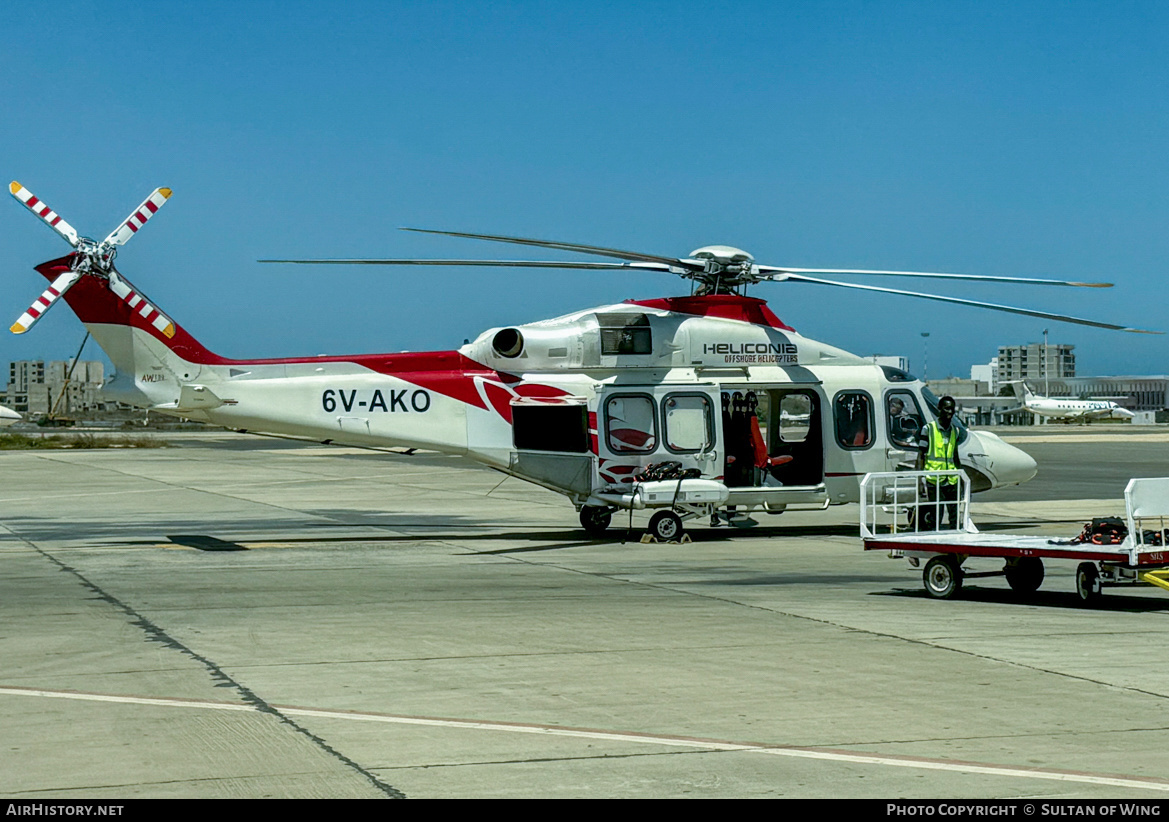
[(90, 258)]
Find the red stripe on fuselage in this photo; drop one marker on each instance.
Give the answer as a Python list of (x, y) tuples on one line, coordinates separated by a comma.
[(723, 306), (445, 372)]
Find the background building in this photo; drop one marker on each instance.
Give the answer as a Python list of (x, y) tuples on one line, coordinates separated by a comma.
[(35, 389), (1034, 363), (987, 374), (957, 387)]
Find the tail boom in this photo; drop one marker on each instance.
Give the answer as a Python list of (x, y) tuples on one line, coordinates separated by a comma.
[(416, 399)]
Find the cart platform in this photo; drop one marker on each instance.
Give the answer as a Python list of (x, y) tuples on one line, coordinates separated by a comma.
[(892, 507)]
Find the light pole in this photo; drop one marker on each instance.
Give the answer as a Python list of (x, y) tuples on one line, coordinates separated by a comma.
[(1046, 390), (925, 362)]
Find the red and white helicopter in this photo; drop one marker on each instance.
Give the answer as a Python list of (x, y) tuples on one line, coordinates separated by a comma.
[(744, 412)]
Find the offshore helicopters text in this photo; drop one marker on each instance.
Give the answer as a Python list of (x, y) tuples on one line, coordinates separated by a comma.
[(766, 353), (418, 400)]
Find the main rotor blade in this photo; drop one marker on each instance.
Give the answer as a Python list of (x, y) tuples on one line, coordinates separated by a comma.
[(50, 217), (42, 303), (138, 218), (502, 263), (994, 306), (767, 269), (582, 249)]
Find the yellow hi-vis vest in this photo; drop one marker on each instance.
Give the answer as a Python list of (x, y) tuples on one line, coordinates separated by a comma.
[(940, 456)]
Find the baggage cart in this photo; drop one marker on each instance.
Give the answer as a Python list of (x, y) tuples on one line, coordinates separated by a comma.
[(895, 507)]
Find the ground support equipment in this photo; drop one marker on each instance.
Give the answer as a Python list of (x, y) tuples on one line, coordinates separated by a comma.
[(888, 499)]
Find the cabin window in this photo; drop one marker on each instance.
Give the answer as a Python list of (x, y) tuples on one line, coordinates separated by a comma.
[(795, 417), (630, 424), (625, 334), (688, 420), (854, 419), (563, 428), (905, 418)]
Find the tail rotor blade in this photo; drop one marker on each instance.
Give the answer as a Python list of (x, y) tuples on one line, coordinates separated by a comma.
[(141, 305), (42, 304), (138, 218), (51, 218)]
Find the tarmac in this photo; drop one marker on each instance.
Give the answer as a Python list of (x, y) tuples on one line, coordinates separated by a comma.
[(238, 617)]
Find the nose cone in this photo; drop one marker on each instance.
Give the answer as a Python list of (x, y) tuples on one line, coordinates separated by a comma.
[(1122, 414), (994, 463)]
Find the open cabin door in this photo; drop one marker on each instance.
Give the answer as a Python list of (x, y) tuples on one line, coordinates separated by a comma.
[(774, 445), (638, 425)]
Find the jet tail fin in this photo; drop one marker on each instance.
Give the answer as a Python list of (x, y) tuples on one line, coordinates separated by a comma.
[(1022, 391)]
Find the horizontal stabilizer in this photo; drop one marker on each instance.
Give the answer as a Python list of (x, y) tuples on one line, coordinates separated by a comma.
[(198, 398)]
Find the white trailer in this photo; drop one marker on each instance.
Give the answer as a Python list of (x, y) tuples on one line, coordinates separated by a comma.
[(892, 508)]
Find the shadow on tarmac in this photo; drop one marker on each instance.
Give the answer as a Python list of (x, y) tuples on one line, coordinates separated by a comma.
[(1109, 602)]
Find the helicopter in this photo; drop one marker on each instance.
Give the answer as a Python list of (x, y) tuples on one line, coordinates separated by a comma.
[(702, 405)]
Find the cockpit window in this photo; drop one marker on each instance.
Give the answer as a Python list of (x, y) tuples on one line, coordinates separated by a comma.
[(905, 418), (897, 375)]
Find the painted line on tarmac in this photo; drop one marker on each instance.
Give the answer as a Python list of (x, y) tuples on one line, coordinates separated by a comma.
[(828, 754)]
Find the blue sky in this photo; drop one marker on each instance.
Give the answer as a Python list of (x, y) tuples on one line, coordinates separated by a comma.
[(985, 137)]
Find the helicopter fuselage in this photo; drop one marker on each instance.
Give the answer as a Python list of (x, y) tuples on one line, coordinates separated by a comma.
[(581, 404)]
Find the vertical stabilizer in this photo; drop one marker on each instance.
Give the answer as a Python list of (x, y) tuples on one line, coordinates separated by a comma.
[(152, 355), (1022, 391)]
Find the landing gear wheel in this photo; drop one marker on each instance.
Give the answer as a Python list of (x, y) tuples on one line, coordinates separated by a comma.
[(1025, 575), (666, 526), (595, 520), (942, 577), (1087, 582)]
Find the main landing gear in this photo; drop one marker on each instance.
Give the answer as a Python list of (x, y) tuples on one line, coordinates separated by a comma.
[(664, 526), (596, 520)]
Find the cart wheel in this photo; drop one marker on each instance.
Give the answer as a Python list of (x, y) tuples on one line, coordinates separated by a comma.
[(1088, 582), (1025, 575), (595, 520), (666, 526), (942, 577)]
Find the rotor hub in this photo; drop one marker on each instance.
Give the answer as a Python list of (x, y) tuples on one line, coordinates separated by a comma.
[(724, 268), (92, 257)]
